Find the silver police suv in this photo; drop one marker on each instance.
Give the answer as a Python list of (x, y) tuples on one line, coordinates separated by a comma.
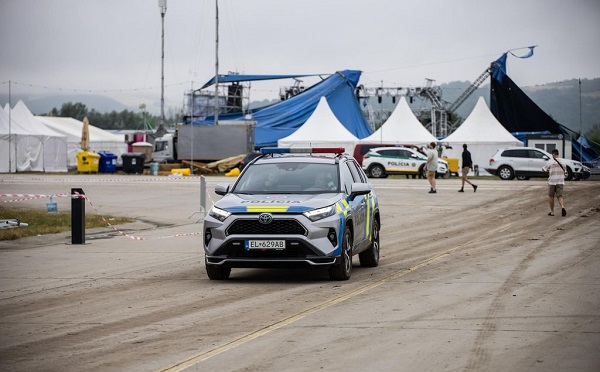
[(526, 162), (294, 207)]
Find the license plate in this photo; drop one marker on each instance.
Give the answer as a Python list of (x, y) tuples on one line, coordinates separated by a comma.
[(265, 244)]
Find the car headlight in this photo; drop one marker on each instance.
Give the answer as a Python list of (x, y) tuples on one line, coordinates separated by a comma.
[(219, 214), (320, 213)]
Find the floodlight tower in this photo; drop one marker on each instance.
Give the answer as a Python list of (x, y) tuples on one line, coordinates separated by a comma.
[(162, 4)]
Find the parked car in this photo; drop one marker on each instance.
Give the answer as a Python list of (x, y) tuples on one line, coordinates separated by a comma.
[(380, 162), (526, 162), (361, 149), (294, 207)]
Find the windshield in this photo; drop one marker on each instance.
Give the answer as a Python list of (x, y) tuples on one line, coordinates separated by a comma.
[(288, 178)]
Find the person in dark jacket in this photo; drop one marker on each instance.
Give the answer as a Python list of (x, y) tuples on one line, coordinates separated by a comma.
[(467, 165)]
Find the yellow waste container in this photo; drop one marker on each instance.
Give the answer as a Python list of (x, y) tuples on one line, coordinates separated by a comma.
[(87, 162), (452, 165), (182, 171)]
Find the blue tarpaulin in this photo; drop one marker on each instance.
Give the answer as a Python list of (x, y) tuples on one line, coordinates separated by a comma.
[(283, 118)]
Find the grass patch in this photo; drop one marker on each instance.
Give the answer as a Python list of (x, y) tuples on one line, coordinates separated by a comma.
[(42, 222)]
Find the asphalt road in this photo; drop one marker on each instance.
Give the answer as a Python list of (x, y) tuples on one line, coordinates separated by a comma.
[(480, 281)]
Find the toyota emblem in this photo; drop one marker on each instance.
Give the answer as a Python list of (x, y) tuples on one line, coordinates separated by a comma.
[(265, 218)]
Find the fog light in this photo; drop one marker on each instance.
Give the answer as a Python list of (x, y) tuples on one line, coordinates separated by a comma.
[(207, 237), (332, 236)]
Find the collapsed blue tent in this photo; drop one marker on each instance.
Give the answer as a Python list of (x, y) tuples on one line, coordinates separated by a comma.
[(283, 118), (513, 108)]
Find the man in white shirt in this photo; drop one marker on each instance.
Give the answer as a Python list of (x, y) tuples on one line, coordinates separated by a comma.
[(556, 182)]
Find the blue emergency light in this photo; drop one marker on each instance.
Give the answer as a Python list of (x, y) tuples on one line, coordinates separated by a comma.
[(302, 150)]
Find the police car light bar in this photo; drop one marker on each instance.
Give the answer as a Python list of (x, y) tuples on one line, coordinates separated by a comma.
[(302, 150)]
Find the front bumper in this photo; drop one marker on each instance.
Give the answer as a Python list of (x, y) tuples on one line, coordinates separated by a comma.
[(307, 243)]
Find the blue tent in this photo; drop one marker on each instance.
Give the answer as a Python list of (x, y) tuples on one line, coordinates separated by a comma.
[(283, 118)]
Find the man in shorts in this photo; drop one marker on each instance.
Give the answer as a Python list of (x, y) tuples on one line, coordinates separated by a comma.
[(431, 166), (556, 182)]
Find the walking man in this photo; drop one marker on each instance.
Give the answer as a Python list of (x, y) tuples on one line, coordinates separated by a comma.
[(556, 182), (431, 166), (467, 164)]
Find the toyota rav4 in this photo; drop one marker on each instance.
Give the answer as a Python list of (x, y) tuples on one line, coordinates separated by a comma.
[(294, 207)]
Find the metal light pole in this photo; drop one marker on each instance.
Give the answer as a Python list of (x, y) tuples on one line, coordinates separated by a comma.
[(9, 128), (162, 4), (216, 62), (580, 127)]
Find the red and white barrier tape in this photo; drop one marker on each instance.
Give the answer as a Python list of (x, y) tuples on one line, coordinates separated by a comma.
[(25, 197)]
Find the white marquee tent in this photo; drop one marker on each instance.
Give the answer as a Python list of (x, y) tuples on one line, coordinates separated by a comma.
[(27, 145), (100, 139), (321, 129), (482, 133), (402, 127)]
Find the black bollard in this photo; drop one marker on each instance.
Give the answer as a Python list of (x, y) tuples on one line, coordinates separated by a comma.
[(77, 217)]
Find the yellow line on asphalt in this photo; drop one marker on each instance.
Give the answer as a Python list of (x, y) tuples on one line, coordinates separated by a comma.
[(282, 323)]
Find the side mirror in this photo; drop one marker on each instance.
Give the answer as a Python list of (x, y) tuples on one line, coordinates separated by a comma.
[(221, 189), (545, 157), (359, 189)]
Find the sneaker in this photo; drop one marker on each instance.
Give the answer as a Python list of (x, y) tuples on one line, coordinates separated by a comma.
[(474, 188), (564, 212), (432, 191), (461, 190)]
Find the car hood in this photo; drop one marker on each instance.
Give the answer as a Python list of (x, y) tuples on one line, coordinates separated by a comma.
[(292, 203)]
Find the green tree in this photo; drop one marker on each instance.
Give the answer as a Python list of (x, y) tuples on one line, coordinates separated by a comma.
[(73, 110)]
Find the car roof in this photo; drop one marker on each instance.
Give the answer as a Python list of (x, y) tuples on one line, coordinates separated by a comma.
[(295, 158), (392, 148)]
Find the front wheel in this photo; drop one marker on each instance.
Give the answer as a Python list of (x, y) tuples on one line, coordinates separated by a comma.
[(370, 257), (377, 171), (506, 173), (343, 269)]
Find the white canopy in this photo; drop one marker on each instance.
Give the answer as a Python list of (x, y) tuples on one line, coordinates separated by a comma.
[(27, 145), (322, 129), (482, 133), (401, 127), (100, 139)]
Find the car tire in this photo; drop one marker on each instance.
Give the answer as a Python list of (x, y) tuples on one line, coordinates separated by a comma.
[(215, 272), (422, 171), (569, 176), (506, 173), (377, 171), (447, 174), (370, 257), (343, 269)]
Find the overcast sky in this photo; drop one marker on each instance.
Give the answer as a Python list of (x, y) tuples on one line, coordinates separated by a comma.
[(113, 47)]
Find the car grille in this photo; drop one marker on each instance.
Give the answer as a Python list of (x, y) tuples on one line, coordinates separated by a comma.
[(253, 227)]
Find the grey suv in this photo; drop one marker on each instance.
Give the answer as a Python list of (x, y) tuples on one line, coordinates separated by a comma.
[(526, 162), (294, 208)]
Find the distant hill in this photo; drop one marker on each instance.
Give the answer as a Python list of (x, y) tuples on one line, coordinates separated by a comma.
[(44, 104)]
